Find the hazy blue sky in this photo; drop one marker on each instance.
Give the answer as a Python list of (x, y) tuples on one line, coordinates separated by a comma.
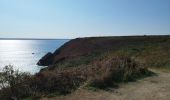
[(79, 18)]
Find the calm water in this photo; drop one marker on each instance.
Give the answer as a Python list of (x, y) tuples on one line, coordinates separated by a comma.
[(19, 53)]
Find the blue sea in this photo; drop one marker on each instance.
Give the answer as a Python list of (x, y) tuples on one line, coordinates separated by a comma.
[(24, 54)]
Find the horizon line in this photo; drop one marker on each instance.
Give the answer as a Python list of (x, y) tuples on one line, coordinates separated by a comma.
[(74, 38)]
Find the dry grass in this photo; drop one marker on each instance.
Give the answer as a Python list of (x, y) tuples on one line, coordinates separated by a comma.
[(101, 74)]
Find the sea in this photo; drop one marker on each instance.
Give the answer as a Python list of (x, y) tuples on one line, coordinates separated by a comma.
[(23, 55)]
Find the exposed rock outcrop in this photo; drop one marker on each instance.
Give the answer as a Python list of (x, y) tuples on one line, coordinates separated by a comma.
[(46, 60)]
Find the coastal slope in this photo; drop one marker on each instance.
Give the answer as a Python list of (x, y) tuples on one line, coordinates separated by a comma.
[(106, 67), (154, 51)]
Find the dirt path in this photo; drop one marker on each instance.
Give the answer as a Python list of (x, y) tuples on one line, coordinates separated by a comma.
[(151, 88)]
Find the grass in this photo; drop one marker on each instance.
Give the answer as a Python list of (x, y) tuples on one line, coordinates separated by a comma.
[(76, 62), (148, 50)]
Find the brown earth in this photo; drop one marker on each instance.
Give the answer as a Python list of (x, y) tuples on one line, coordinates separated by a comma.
[(152, 88)]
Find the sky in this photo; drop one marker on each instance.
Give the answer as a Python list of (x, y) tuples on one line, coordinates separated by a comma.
[(83, 18)]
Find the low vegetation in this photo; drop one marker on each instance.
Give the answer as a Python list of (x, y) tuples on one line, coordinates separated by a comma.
[(101, 73), (13, 85)]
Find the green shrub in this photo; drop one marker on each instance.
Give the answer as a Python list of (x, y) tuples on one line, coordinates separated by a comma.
[(14, 84)]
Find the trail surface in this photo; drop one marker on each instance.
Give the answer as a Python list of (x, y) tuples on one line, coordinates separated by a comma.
[(151, 88)]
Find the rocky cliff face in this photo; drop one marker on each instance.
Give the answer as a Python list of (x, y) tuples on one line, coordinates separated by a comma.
[(46, 60)]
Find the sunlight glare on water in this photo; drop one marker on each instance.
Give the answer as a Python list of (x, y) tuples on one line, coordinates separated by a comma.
[(24, 54)]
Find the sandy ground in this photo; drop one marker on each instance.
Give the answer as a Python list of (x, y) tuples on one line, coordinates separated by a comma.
[(150, 88)]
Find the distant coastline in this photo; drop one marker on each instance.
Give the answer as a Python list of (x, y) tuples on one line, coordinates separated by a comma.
[(32, 39)]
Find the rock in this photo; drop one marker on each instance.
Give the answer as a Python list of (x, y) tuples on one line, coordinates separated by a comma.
[(46, 60)]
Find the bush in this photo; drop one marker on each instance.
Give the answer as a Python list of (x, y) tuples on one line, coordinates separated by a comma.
[(14, 84), (60, 81), (113, 70)]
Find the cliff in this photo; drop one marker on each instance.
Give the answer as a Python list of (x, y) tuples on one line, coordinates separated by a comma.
[(80, 47)]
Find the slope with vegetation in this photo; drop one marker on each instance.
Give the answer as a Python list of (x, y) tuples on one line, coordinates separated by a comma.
[(93, 63), (153, 51)]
